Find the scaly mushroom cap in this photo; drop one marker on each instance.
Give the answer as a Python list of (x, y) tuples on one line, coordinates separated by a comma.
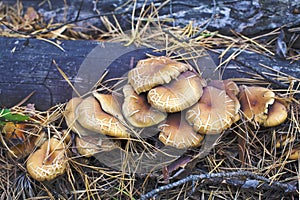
[(89, 146), (178, 133), (213, 113), (71, 117), (232, 90), (138, 111), (92, 117), (178, 95), (277, 114), (155, 71), (255, 101), (48, 162)]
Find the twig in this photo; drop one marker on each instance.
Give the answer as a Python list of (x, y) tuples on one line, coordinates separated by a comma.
[(276, 184)]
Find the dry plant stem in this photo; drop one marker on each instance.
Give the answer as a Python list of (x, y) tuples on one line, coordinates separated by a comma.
[(287, 188)]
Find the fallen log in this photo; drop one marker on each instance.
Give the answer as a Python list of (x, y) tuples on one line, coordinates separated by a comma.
[(27, 66)]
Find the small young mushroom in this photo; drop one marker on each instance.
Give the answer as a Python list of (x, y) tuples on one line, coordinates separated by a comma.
[(138, 111), (48, 162), (88, 146), (178, 133), (284, 140), (179, 94), (294, 155), (155, 71), (92, 117), (214, 113), (255, 102)]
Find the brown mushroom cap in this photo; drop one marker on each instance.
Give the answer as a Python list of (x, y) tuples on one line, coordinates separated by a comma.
[(232, 90), (255, 101), (294, 154), (89, 146), (138, 111), (277, 114), (48, 162), (178, 95), (14, 131), (283, 140), (155, 71), (92, 117), (110, 105), (178, 133), (213, 113)]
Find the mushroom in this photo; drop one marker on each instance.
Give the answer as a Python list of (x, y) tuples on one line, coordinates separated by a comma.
[(277, 114), (110, 104), (232, 90), (92, 117), (14, 132), (138, 111), (294, 155), (178, 133), (155, 71), (213, 113), (255, 102), (284, 140), (179, 94), (71, 117), (89, 146), (48, 162)]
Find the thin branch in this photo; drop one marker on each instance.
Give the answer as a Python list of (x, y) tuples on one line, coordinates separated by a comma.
[(287, 188)]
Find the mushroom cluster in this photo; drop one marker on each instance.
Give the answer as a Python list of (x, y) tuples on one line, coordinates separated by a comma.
[(173, 97)]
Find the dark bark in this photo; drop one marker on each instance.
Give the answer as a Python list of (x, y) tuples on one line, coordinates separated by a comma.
[(26, 66)]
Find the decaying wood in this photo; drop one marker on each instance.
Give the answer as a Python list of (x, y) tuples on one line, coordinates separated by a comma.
[(27, 66)]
